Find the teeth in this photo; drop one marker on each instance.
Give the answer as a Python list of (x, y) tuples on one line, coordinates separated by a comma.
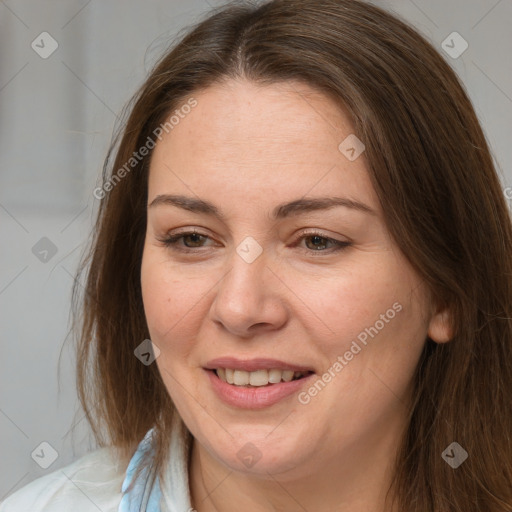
[(241, 378), (257, 378), (288, 375), (274, 376)]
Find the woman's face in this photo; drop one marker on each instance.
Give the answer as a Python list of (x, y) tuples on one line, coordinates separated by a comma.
[(275, 281)]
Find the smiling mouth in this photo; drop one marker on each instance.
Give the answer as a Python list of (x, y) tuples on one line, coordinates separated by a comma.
[(258, 378)]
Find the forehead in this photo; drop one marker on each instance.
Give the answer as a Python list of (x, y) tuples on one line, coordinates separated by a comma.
[(278, 140)]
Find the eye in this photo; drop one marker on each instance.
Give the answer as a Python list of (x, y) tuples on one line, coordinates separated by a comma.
[(319, 242), (191, 239)]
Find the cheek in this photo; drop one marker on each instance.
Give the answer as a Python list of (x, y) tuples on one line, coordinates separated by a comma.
[(348, 303), (176, 302), (165, 296), (377, 313)]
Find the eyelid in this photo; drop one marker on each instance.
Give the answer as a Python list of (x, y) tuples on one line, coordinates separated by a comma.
[(170, 241), (319, 232), (304, 232), (339, 245)]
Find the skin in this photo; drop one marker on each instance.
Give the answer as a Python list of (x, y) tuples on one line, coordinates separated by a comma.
[(247, 148)]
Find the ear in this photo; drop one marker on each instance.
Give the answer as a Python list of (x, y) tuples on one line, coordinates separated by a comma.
[(440, 328)]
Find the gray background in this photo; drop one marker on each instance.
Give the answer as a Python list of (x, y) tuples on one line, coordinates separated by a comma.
[(56, 119)]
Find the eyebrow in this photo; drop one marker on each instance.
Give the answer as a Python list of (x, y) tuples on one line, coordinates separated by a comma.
[(297, 207)]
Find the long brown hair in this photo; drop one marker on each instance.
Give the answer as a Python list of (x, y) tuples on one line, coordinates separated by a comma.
[(443, 204)]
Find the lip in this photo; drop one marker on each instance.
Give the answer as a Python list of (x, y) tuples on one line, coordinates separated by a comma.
[(256, 397), (251, 365)]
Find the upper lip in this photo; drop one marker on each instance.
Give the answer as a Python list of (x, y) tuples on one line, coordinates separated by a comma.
[(251, 365)]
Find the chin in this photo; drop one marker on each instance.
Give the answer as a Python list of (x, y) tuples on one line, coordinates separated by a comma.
[(253, 451)]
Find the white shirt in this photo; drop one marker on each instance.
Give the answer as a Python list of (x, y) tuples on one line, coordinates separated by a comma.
[(93, 483)]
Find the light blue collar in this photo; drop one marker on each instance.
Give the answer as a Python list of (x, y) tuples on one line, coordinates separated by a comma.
[(142, 497)]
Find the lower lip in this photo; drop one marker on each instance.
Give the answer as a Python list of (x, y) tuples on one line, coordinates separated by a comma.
[(256, 397)]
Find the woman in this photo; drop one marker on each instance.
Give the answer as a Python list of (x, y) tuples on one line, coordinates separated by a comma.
[(303, 217)]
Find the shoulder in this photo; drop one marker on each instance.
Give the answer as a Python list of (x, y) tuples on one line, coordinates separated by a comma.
[(92, 482)]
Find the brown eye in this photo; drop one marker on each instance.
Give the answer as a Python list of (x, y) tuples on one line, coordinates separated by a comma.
[(190, 240), (316, 242), (194, 238)]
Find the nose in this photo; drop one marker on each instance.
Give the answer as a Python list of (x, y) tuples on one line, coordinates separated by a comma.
[(250, 298)]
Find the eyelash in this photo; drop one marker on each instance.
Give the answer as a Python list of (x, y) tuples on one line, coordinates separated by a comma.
[(171, 242)]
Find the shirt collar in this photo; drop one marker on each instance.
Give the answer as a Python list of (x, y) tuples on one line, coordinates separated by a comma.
[(141, 497), (173, 494)]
